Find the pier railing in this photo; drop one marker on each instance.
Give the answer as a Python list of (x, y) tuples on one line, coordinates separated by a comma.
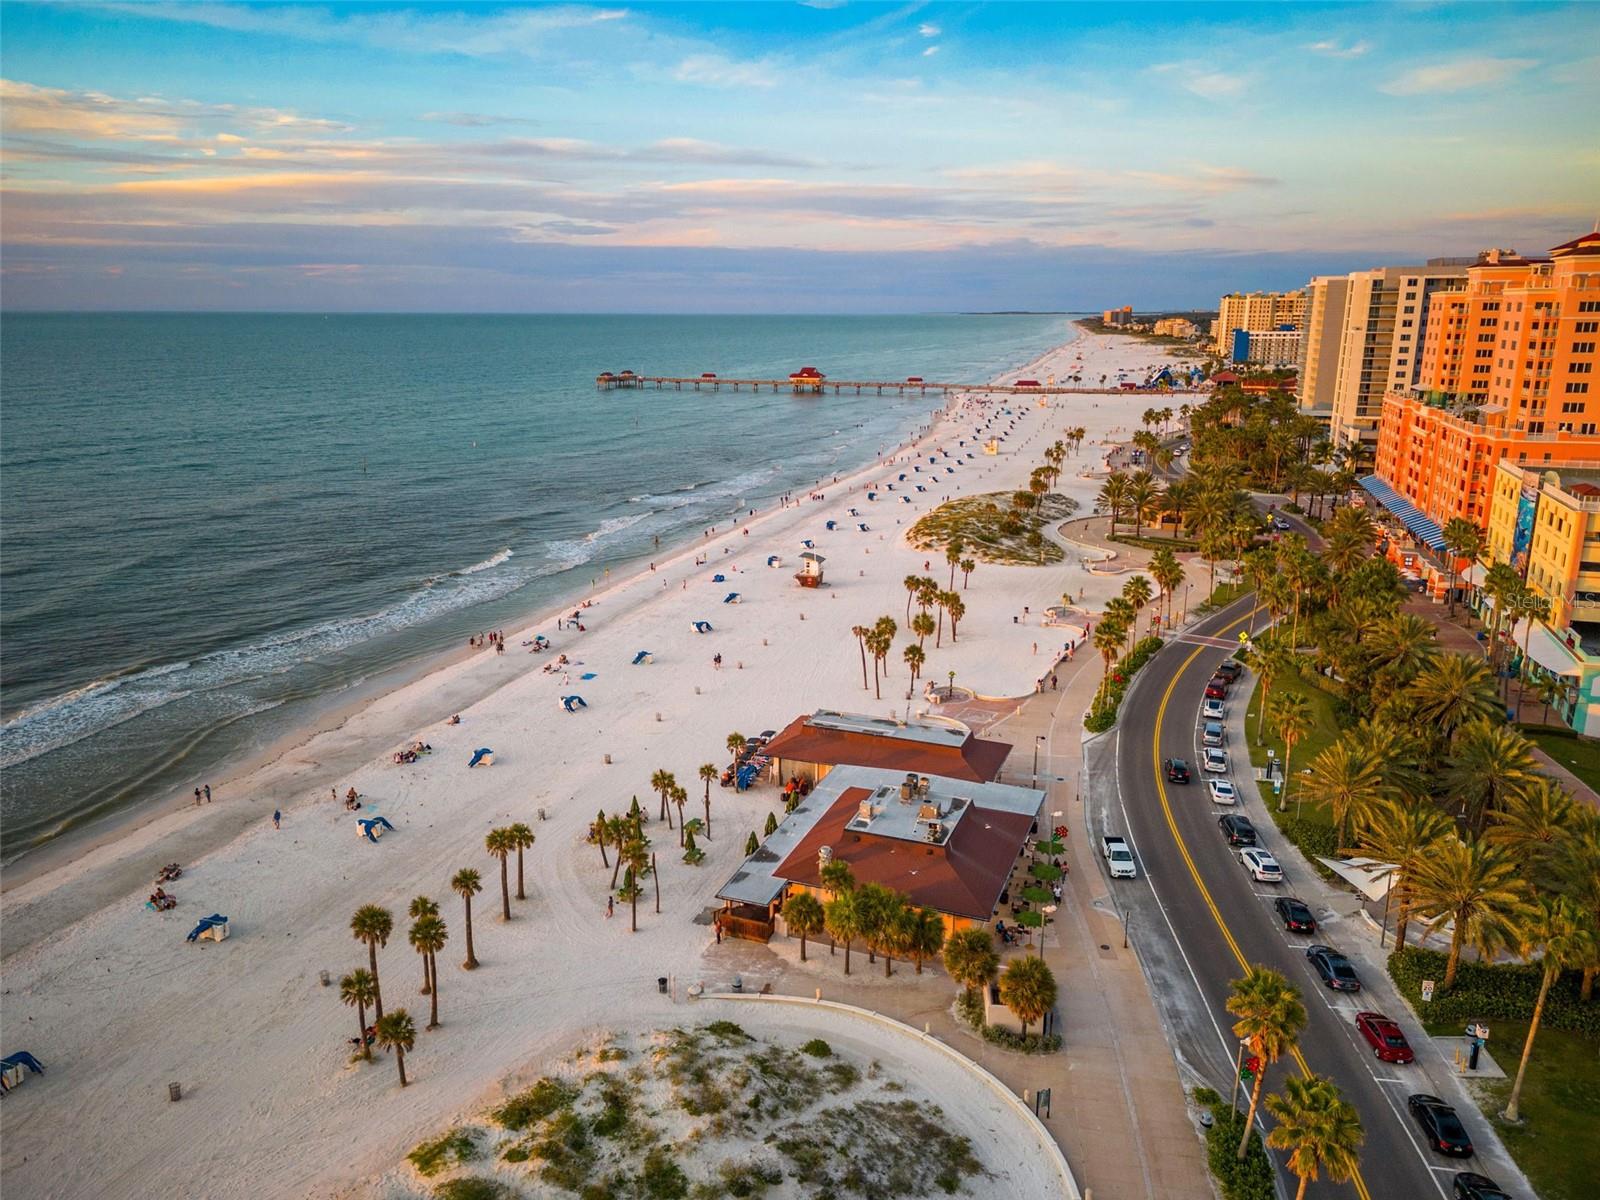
[(815, 386)]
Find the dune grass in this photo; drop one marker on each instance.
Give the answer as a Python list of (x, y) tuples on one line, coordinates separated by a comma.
[(993, 531)]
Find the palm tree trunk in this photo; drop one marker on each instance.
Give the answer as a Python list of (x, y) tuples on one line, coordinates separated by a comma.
[(400, 1061), (1261, 713), (427, 983), (634, 917), (708, 810), (877, 689), (1586, 989), (847, 957), (1550, 973), (888, 966), (361, 1016), (1457, 935), (680, 823), (802, 947), (472, 959), (505, 888), (616, 866), (918, 960), (377, 987), (1300, 1192), (862, 643), (521, 895), (433, 1000), (1250, 1116)]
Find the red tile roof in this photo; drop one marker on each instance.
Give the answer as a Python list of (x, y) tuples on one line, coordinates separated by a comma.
[(963, 878), (1584, 489), (976, 760), (1582, 242)]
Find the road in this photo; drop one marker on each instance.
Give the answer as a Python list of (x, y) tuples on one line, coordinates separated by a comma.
[(1197, 920)]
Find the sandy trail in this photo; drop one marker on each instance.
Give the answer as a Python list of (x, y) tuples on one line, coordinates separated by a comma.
[(117, 1004)]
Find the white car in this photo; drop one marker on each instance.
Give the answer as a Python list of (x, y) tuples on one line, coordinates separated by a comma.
[(1215, 761), (1213, 709), (1222, 791), (1262, 866)]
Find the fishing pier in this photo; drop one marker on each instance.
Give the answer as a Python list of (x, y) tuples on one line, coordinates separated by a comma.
[(810, 381)]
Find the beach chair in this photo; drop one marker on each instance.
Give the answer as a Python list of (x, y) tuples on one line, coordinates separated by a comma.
[(702, 626), (731, 598), (644, 656)]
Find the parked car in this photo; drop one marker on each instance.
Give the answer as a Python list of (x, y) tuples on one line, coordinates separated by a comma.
[(1440, 1126), (1281, 525), (1222, 791), (1261, 865), (1385, 1038), (1237, 830), (1177, 770), (1296, 915), (1215, 761), (1212, 734), (1230, 669), (1213, 710), (1217, 688), (1334, 968), (1469, 1185)]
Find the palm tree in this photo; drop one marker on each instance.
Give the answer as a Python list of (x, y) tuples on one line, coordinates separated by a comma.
[(428, 936), (522, 839), (373, 925), (708, 775), (597, 836), (662, 782), (1465, 540), (1270, 660), (1028, 989), (1549, 689), (802, 912), (1319, 1127), (861, 634), (1114, 496), (1500, 582), (1271, 1016), (1452, 691), (872, 909), (737, 741), (1488, 765), (912, 583), (879, 644), (971, 959), (466, 883), (957, 608), (1560, 935), (1473, 885), (1401, 647), (629, 893), (1533, 826), (1143, 495), (837, 877), (1527, 606), (422, 906), (843, 922), (968, 566), (1578, 868), (1107, 639), (915, 658), (499, 843), (617, 829), (1347, 781), (396, 1032), (1291, 715), (923, 935), (1403, 834), (358, 989), (680, 797), (1168, 573), (921, 625)]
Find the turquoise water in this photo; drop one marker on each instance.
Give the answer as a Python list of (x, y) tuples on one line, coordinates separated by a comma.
[(212, 521)]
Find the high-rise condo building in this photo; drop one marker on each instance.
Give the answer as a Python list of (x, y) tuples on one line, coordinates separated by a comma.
[(1256, 311)]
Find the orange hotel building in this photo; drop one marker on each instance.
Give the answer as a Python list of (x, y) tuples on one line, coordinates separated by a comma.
[(1507, 374)]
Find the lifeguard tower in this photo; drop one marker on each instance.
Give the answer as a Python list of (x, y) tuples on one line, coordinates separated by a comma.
[(810, 573)]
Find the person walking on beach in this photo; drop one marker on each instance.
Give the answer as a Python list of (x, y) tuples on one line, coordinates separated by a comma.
[(197, 797), (208, 793), (611, 905), (276, 818)]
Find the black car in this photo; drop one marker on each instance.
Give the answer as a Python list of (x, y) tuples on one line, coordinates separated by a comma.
[(1440, 1125), (1237, 830), (1296, 916), (1472, 1186), (1334, 968), (1230, 670), (1177, 770)]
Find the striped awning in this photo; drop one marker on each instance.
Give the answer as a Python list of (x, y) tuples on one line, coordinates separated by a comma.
[(1426, 530)]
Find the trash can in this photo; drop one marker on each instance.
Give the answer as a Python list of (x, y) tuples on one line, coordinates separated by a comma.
[(661, 984)]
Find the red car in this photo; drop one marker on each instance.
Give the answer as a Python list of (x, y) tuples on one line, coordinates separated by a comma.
[(1217, 689), (1385, 1038)]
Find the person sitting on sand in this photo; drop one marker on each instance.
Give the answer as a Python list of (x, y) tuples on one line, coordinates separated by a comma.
[(351, 796), (455, 720)]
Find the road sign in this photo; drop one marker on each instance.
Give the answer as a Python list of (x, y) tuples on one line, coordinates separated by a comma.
[(1427, 990)]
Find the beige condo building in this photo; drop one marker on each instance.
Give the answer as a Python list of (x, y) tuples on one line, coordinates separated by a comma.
[(1319, 356), (1255, 311)]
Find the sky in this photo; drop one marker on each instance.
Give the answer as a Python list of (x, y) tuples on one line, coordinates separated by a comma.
[(774, 157)]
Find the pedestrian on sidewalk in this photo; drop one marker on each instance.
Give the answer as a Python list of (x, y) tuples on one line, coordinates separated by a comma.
[(276, 818)]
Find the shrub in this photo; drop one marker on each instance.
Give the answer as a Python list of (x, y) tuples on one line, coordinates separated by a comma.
[(1314, 839), (817, 1048), (1503, 991), (662, 1177), (429, 1158), (1104, 713), (969, 1007), (473, 1187), (727, 1031), (1247, 1180), (1026, 1043), (527, 1109)]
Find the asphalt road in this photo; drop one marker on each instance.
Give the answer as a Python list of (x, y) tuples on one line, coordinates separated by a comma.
[(1197, 918)]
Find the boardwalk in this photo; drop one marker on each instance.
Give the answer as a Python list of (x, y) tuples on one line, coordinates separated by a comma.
[(818, 384)]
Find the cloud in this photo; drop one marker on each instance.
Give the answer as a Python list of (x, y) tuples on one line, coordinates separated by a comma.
[(1208, 85), (1460, 75), (930, 52), (471, 120), (684, 149), (715, 70), (928, 31), (1333, 48), (28, 108)]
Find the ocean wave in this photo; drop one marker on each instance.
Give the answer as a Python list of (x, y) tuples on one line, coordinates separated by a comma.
[(494, 560)]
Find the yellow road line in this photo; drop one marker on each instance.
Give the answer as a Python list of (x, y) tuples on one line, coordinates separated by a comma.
[(1183, 849)]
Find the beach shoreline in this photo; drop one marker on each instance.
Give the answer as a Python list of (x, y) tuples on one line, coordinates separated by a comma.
[(116, 1003)]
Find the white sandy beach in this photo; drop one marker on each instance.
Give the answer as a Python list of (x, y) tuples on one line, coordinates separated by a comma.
[(117, 1004)]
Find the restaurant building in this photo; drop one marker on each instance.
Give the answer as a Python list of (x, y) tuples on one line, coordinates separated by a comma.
[(811, 746)]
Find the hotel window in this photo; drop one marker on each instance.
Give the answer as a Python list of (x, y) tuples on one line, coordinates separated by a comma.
[(1587, 428), (1577, 389), (1586, 327), (1581, 368), (1589, 306), (1583, 347)]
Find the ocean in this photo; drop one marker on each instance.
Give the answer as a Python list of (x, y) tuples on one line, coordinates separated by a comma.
[(209, 524)]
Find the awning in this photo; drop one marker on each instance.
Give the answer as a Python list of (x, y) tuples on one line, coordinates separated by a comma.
[(1547, 649), (1473, 575), (1426, 529), (1367, 875)]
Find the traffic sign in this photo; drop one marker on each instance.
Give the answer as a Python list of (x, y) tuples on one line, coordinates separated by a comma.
[(1427, 990)]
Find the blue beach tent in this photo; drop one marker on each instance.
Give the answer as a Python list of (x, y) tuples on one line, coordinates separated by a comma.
[(368, 825), (774, 561), (808, 543), (573, 703), (482, 755), (872, 495), (644, 656), (831, 526), (208, 923), (21, 1059), (731, 598), (702, 626), (719, 578), (863, 528)]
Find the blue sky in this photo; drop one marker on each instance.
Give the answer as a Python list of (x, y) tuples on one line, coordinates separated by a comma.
[(774, 156)]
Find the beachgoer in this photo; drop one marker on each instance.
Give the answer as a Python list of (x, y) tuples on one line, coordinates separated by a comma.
[(277, 817), (335, 792), (611, 905), (208, 793)]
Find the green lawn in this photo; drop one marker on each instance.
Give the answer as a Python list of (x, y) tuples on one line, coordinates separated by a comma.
[(1223, 595), (1314, 834), (1560, 1107), (1578, 755)]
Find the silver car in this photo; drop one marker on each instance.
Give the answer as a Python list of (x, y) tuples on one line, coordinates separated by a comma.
[(1212, 734)]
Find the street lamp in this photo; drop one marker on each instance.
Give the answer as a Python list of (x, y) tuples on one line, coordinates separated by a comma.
[(1037, 738)]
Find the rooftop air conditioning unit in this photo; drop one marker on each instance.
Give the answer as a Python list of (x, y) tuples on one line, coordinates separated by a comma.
[(866, 812), (935, 831)]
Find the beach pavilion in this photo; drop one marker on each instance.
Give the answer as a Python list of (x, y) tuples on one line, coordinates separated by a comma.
[(951, 845), (811, 746)]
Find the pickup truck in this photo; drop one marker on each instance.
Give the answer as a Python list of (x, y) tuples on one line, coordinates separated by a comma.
[(1118, 857)]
